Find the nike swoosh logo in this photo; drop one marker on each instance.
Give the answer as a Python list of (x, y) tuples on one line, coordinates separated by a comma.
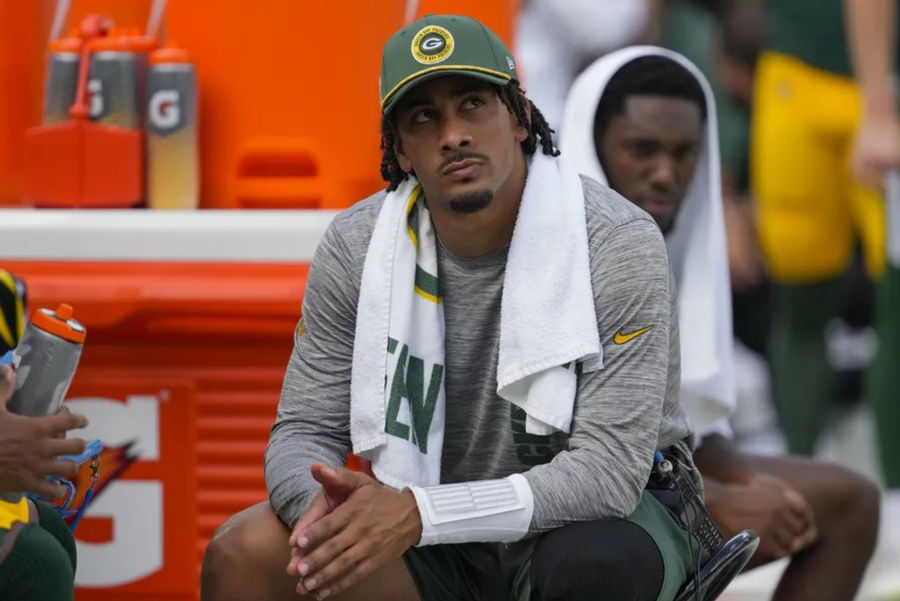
[(621, 338)]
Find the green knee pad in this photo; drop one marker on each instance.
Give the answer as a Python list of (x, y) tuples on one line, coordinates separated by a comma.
[(51, 521), (37, 568)]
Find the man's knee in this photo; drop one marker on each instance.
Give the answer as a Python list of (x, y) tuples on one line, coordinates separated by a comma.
[(239, 545), (845, 503), (35, 567), (608, 559), (854, 510), (50, 520), (221, 558)]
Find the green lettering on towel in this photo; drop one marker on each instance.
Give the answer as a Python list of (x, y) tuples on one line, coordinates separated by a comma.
[(398, 391), (409, 382)]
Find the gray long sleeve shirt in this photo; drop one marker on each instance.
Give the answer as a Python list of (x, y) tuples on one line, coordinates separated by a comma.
[(623, 412)]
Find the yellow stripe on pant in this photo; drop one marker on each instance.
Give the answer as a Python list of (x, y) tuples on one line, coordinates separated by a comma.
[(10, 513)]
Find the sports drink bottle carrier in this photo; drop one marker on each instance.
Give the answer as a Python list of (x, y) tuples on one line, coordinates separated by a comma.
[(72, 161)]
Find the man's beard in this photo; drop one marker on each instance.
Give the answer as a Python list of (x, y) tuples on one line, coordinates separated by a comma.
[(472, 202)]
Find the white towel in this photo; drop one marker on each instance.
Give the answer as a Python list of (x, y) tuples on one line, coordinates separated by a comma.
[(548, 324), (696, 244), (399, 336), (547, 318)]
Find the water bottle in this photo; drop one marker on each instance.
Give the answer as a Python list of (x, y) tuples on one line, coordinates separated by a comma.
[(173, 173), (45, 361)]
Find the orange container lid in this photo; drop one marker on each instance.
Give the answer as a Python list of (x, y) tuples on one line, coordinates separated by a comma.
[(70, 44), (134, 39), (110, 42), (60, 323), (123, 43), (142, 43), (170, 54)]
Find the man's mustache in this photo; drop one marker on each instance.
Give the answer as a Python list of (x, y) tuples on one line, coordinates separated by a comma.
[(457, 157)]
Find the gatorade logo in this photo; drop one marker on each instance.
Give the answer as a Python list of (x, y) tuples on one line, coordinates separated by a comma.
[(432, 45), (134, 507), (165, 109), (95, 105)]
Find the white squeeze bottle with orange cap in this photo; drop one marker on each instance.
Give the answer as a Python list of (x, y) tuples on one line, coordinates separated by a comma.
[(45, 361)]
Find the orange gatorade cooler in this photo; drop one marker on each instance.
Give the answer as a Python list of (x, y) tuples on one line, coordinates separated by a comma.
[(172, 153), (191, 317), (62, 79)]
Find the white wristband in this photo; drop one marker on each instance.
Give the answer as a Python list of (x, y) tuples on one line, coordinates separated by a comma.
[(478, 511)]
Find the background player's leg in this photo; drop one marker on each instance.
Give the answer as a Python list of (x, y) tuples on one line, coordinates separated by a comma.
[(883, 390), (883, 379), (803, 380), (884, 376), (805, 229), (846, 512), (248, 556)]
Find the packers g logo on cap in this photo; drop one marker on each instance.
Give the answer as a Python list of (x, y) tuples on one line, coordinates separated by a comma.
[(432, 45)]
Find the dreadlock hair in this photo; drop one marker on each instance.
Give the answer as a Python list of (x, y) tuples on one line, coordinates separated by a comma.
[(513, 96), (648, 76)]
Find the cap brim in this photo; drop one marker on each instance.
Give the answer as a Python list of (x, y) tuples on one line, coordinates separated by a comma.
[(391, 98)]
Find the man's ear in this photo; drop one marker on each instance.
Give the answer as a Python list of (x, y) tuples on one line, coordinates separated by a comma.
[(404, 161)]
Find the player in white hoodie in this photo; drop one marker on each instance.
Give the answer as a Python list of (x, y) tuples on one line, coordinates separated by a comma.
[(643, 120)]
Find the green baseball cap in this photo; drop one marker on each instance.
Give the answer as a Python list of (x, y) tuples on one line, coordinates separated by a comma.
[(437, 45)]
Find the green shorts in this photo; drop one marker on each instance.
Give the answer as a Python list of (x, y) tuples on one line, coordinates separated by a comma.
[(496, 572)]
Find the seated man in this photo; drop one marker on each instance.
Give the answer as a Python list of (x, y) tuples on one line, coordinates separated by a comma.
[(643, 119), (495, 334), (37, 551)]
